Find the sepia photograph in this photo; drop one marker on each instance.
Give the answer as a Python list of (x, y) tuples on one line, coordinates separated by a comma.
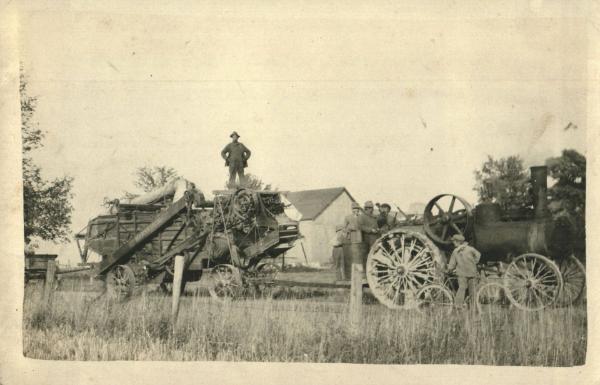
[(304, 182)]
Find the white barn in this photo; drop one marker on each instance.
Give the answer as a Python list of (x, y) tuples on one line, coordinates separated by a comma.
[(318, 211)]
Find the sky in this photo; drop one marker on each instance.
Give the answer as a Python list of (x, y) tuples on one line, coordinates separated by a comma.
[(395, 103)]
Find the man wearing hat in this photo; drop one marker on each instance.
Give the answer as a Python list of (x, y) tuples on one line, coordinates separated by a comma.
[(236, 157), (354, 247), (368, 225), (464, 261), (386, 221), (351, 226)]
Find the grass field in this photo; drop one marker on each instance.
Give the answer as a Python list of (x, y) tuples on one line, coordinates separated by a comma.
[(307, 326)]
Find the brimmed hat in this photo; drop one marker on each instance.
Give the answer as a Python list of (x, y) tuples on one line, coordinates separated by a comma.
[(355, 205), (386, 205), (458, 237), (368, 204), (234, 133), (339, 228)]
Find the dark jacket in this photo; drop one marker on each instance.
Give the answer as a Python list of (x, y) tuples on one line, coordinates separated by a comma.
[(234, 152), (386, 222), (368, 225)]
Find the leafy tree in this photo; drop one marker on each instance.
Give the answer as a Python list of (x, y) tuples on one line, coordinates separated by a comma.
[(252, 182), (151, 178), (567, 194), (568, 170), (47, 205), (504, 181)]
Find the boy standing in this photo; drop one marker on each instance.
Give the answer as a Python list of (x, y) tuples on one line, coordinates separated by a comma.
[(464, 259)]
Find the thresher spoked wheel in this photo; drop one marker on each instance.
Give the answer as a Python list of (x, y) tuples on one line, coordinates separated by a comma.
[(446, 215), (490, 295), (268, 271), (399, 264), (226, 283), (266, 275), (573, 275), (532, 282), (433, 298), (120, 282)]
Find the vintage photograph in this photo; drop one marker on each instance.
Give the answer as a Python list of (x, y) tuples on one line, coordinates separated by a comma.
[(315, 182)]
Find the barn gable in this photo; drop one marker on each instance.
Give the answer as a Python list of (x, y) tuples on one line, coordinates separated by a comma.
[(311, 203), (319, 211)]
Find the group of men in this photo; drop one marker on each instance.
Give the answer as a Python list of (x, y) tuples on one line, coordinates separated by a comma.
[(359, 231)]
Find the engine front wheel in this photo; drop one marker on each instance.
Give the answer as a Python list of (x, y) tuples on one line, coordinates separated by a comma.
[(532, 282)]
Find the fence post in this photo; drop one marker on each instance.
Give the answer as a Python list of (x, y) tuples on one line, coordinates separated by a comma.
[(49, 283), (177, 278), (356, 291)]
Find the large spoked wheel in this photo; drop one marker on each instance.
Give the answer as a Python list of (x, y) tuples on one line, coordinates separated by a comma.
[(573, 275), (435, 297), (399, 264), (532, 282), (490, 295), (120, 282), (226, 283), (446, 215)]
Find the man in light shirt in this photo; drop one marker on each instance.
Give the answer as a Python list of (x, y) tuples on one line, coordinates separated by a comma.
[(464, 261)]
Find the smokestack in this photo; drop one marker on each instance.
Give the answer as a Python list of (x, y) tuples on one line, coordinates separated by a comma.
[(539, 175)]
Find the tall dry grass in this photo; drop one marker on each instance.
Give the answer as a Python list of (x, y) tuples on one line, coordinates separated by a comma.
[(76, 328)]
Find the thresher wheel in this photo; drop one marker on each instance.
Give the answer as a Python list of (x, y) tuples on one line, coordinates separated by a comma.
[(446, 215), (435, 297), (266, 274), (226, 282), (532, 282), (490, 295), (399, 264), (573, 275), (120, 282)]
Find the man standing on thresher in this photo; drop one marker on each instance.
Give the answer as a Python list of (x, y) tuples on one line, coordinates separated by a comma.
[(236, 157)]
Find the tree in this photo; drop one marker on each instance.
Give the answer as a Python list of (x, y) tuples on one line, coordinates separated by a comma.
[(567, 194), (568, 171), (151, 178), (252, 182), (47, 205), (503, 181)]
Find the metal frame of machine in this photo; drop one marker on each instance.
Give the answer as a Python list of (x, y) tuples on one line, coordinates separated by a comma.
[(230, 236)]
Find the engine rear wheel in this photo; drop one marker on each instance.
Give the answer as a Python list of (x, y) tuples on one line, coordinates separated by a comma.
[(399, 264)]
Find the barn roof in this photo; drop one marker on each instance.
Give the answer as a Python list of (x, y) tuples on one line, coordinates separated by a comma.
[(311, 203)]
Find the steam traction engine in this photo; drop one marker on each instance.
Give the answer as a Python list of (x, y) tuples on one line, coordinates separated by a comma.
[(527, 257), (230, 238)]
